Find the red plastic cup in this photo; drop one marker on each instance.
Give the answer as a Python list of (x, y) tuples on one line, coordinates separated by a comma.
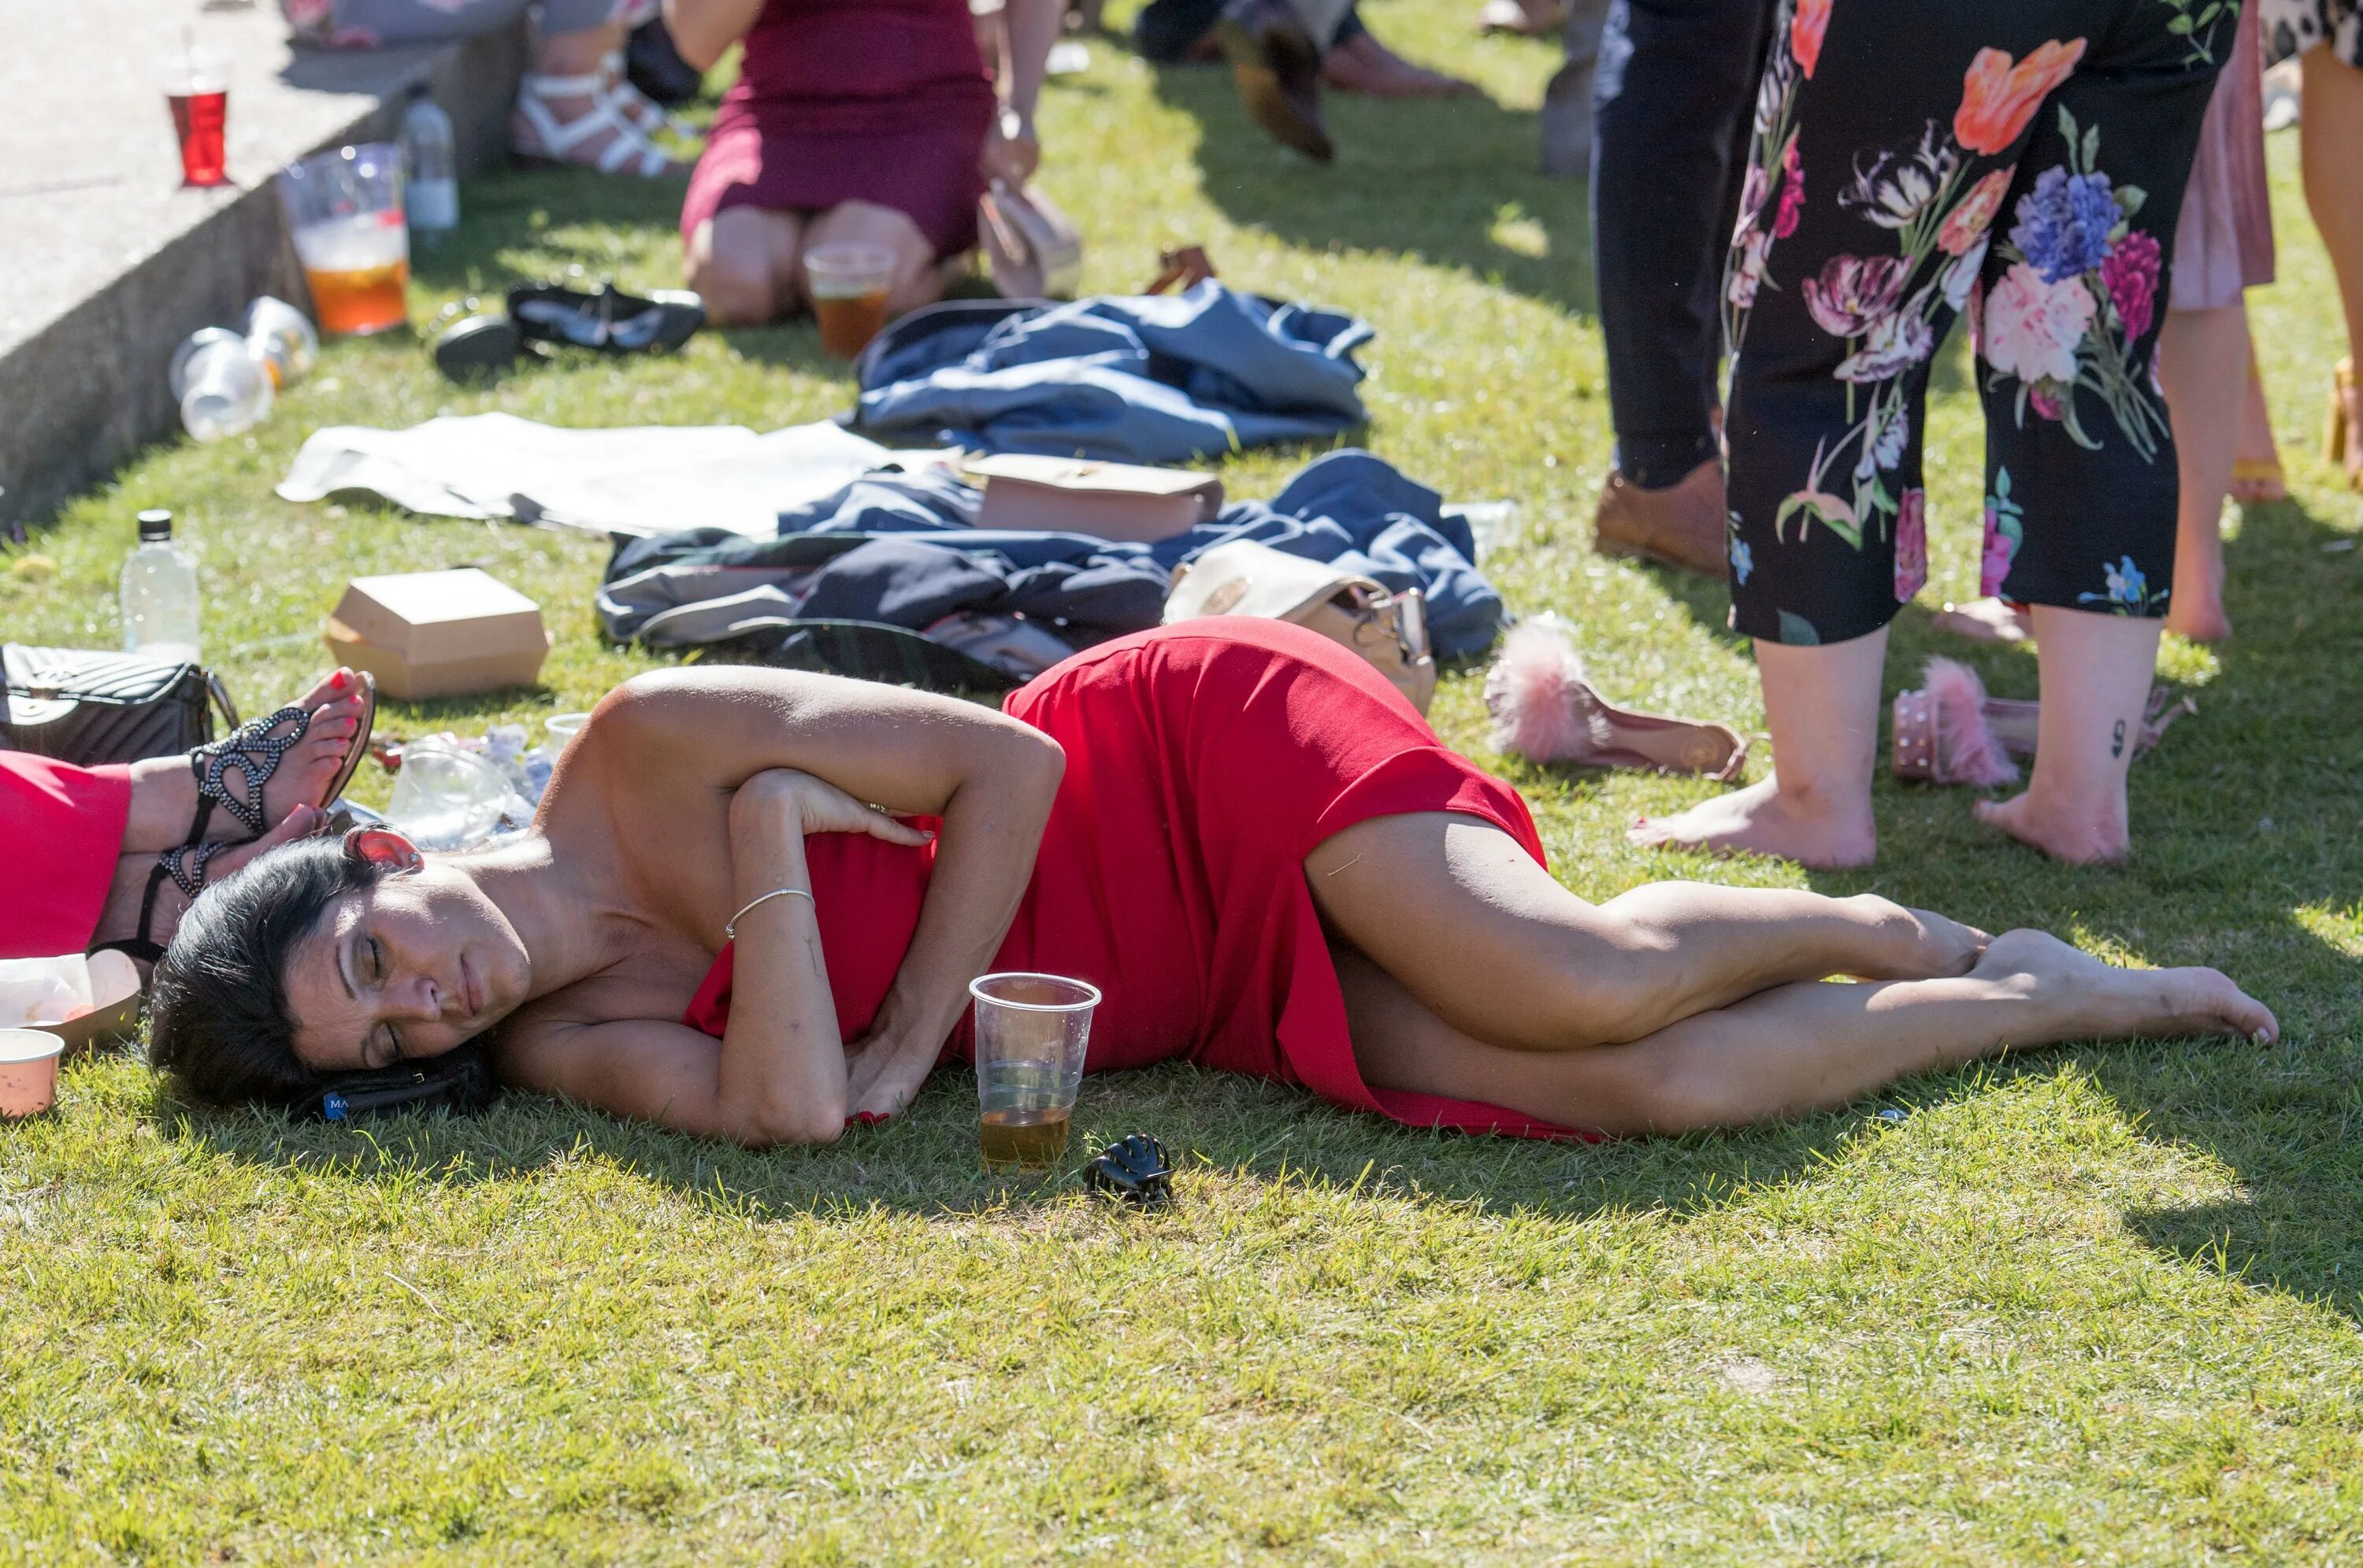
[(197, 89)]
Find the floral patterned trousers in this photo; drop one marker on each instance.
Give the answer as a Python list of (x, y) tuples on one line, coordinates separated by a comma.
[(1911, 159)]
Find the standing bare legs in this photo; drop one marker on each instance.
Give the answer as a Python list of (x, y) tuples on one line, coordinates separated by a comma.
[(2331, 149), (1822, 706), (2202, 362)]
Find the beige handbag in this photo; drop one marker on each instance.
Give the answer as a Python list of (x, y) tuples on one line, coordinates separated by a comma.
[(1245, 578), (1033, 250)]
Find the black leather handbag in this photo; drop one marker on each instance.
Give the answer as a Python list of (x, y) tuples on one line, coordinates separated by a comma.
[(92, 709)]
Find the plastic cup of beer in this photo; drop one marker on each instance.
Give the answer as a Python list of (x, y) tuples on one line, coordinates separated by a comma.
[(850, 284), (1031, 1031), (345, 206)]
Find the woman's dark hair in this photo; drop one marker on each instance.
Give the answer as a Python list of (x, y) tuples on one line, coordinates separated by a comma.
[(218, 1012)]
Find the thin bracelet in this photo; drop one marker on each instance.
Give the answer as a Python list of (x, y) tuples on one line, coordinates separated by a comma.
[(730, 928)]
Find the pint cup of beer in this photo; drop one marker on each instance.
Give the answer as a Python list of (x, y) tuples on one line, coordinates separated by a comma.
[(345, 206)]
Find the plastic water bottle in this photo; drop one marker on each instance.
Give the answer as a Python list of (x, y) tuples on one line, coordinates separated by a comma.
[(221, 389), (159, 594), (432, 187)]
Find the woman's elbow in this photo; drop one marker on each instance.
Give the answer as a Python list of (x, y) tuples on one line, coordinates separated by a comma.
[(1042, 760), (776, 1126)]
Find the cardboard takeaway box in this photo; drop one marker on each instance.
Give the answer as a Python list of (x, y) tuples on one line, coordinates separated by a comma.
[(438, 633), (1106, 500)]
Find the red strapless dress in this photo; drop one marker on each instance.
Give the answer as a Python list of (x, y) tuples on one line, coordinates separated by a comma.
[(1204, 761), (61, 831)]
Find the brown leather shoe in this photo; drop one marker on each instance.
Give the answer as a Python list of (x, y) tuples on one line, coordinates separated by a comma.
[(1278, 67), (1681, 525)]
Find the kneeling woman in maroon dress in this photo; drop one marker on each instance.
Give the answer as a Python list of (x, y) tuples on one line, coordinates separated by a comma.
[(1245, 837), (869, 122)]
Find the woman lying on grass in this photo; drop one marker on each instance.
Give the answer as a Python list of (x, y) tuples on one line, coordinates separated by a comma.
[(1236, 829)]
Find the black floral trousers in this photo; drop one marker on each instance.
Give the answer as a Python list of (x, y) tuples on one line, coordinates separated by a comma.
[(2025, 161)]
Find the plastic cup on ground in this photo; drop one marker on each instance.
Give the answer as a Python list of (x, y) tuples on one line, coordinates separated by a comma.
[(560, 729), (345, 207), (220, 387), (1031, 1031), (850, 284), (29, 1071), (280, 339)]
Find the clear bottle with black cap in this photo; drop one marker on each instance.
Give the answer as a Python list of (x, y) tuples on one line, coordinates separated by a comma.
[(158, 594)]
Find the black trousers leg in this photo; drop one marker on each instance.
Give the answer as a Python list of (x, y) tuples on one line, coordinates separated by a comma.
[(1671, 95)]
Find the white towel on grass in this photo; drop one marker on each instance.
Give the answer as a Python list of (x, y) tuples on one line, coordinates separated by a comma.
[(635, 479)]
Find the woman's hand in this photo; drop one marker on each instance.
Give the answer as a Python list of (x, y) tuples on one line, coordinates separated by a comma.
[(1012, 151), (815, 805)]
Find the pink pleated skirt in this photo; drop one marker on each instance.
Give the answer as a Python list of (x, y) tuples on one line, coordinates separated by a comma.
[(2224, 241)]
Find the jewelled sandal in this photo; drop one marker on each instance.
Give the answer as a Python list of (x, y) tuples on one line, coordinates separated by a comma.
[(253, 750), (1950, 732), (186, 867)]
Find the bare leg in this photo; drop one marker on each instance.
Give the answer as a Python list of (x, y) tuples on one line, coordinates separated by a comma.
[(1794, 1048), (1503, 952), (1363, 64), (2330, 149), (2202, 362), (118, 918), (164, 792), (742, 262), (2096, 678), (917, 280), (1822, 706), (2256, 463), (1988, 620)]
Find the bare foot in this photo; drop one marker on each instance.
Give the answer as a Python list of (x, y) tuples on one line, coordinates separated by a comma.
[(119, 918), (1924, 946), (2079, 838), (1985, 621), (164, 790), (1759, 820), (1363, 64), (2102, 1001)]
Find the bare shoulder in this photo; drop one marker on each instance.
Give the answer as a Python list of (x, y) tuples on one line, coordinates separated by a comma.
[(669, 699)]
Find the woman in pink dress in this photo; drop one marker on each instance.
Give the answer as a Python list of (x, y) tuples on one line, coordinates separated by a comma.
[(867, 122)]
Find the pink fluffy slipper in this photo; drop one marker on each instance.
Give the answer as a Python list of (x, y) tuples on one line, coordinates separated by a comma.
[(1544, 709), (1942, 732)]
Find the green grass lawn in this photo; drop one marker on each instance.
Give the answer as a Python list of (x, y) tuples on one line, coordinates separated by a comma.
[(2088, 1306)]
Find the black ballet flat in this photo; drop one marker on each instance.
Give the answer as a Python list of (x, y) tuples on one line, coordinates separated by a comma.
[(610, 321)]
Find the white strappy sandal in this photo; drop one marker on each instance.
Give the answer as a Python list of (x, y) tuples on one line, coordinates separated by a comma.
[(637, 106), (552, 140)]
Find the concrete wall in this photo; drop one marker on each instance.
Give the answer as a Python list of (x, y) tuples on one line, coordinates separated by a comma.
[(80, 395)]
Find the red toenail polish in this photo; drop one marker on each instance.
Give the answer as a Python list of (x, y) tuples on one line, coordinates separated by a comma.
[(337, 681)]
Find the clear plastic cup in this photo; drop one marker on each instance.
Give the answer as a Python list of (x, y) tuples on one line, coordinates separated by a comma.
[(345, 207), (29, 1071), (445, 798), (221, 389), (560, 729), (280, 339), (850, 284), (1031, 1032)]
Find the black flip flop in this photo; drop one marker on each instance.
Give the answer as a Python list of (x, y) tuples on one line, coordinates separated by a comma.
[(610, 321)]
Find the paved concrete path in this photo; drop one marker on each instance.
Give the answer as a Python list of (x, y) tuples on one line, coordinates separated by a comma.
[(109, 263)]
